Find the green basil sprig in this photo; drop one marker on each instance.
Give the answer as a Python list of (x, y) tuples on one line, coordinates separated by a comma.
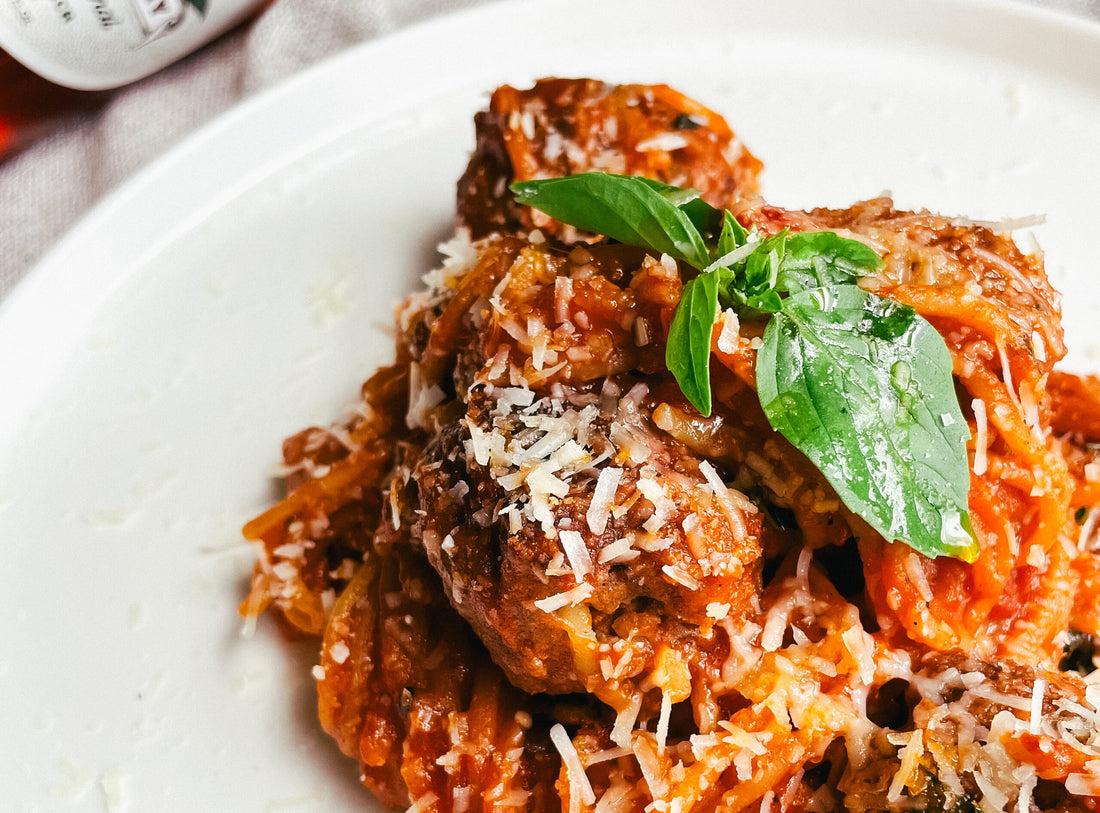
[(859, 384)]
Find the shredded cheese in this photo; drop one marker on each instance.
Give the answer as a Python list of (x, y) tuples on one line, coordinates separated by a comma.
[(603, 498), (981, 436), (580, 789), (577, 553), (567, 598)]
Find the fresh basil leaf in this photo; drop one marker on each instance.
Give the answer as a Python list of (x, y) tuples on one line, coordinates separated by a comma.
[(750, 272), (626, 209), (767, 301), (733, 235), (860, 384), (706, 219), (678, 196), (762, 269), (823, 258), (687, 353), (863, 387)]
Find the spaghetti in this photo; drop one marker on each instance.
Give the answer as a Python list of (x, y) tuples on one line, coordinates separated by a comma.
[(543, 581)]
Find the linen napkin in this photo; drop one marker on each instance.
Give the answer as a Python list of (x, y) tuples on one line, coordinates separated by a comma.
[(46, 188)]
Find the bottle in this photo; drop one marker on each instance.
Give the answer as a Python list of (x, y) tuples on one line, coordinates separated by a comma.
[(102, 44), (53, 52)]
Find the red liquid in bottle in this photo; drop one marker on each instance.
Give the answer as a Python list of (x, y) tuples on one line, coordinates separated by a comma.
[(32, 107)]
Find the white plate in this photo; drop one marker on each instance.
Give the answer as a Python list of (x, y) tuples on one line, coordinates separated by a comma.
[(241, 288)]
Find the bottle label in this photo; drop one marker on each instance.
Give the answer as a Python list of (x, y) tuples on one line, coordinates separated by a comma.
[(99, 44)]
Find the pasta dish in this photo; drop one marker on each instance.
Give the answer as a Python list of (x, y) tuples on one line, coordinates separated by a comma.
[(674, 500)]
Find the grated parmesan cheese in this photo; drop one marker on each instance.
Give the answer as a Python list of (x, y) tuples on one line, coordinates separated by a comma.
[(618, 551), (718, 610), (580, 561), (603, 498), (424, 803), (862, 648), (624, 722), (681, 576), (914, 569), (423, 397), (910, 765), (608, 754), (662, 721), (666, 142), (555, 602), (1037, 692), (580, 789), (981, 436), (1006, 372), (735, 513), (730, 337)]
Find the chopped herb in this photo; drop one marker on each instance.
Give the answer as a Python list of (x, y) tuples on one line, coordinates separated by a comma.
[(683, 121), (1079, 653), (938, 799), (778, 517)]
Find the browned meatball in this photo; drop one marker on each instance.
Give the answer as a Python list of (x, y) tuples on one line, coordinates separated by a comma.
[(580, 541), (564, 528), (567, 126)]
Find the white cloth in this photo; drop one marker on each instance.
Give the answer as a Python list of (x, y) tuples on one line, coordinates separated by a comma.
[(46, 188)]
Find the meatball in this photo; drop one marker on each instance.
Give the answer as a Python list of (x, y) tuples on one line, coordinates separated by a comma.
[(567, 126), (563, 528), (580, 540)]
